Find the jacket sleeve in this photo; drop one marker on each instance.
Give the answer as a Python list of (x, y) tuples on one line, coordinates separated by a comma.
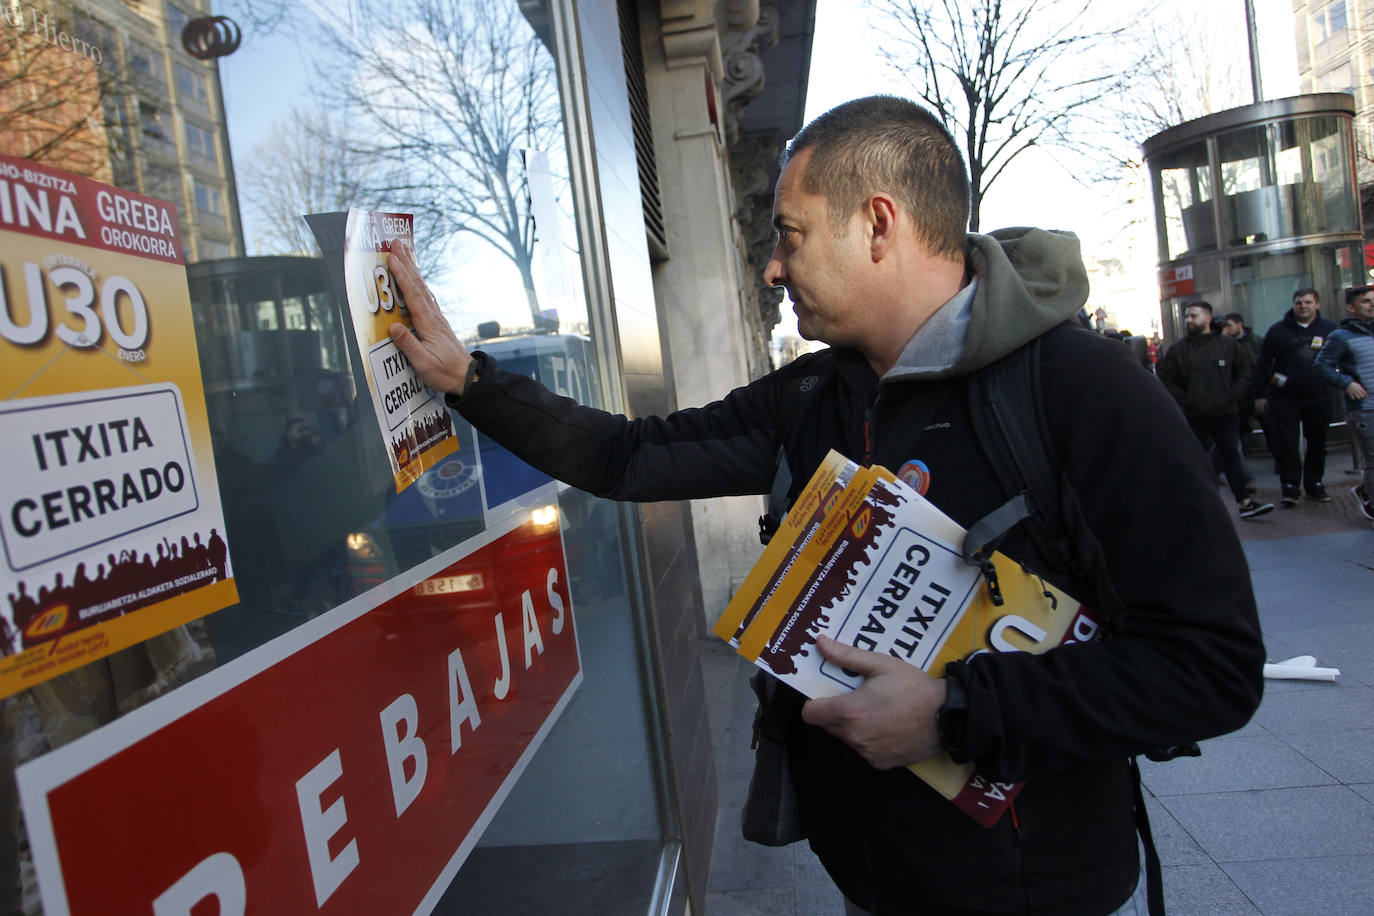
[(726, 448), (1170, 372), (1185, 659), (1242, 370), (1329, 360), (1264, 367)]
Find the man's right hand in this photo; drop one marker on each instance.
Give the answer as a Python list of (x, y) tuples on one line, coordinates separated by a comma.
[(436, 353), (1355, 391), (1261, 406)]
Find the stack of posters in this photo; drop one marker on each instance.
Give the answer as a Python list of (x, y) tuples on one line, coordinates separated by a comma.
[(866, 560)]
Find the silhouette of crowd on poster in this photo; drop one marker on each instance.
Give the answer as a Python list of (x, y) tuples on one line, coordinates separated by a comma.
[(123, 583), (417, 436)]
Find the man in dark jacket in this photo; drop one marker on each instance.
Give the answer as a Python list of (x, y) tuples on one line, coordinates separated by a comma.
[(871, 210), (1243, 334), (1208, 374), (1288, 390)]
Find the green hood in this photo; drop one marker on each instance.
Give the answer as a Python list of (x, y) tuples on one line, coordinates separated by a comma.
[(1029, 281)]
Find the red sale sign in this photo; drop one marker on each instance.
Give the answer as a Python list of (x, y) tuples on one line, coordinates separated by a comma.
[(346, 767)]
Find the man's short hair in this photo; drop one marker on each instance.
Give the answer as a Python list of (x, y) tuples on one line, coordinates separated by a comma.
[(1198, 303), (1307, 291), (1237, 317), (885, 143), (1356, 292)]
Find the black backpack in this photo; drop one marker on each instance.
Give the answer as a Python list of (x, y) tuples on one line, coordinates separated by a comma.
[(1007, 408)]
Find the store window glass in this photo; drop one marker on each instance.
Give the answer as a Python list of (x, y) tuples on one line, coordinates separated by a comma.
[(1183, 202), (147, 68), (1287, 179), (1263, 284), (193, 87), (200, 143), (450, 112)]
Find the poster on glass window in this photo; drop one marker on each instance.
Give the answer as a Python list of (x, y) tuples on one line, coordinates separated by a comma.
[(414, 422), (110, 517)]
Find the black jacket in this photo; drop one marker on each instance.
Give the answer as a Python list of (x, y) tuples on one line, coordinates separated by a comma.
[(1207, 374), (1290, 350), (1185, 663)]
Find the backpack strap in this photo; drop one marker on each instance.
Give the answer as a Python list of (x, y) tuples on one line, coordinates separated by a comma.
[(798, 394), (777, 498), (1007, 407)]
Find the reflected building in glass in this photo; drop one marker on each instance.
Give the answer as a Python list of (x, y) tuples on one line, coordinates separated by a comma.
[(482, 691), (105, 89), (1254, 203)]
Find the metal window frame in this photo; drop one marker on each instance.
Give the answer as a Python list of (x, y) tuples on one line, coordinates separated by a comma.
[(669, 882)]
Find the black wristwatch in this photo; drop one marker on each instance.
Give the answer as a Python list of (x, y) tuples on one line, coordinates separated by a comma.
[(953, 715)]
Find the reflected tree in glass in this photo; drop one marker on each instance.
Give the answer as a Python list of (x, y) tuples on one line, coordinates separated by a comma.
[(441, 105)]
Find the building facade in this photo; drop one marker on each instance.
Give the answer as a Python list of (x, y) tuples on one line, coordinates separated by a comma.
[(1335, 43), (254, 654)]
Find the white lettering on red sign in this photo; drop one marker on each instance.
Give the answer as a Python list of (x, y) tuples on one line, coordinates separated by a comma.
[(400, 723), (320, 824), (218, 876)]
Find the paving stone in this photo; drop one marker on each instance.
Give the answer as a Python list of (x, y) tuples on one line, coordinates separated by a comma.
[(1277, 823), (1346, 755), (1172, 843), (1234, 763), (1344, 645), (1204, 889), (1329, 707), (1301, 887), (761, 901), (1366, 790), (819, 901)]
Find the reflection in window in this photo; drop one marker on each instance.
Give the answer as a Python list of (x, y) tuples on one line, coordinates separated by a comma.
[(157, 126), (164, 184), (1185, 186), (176, 22), (200, 143), (100, 37), (209, 199), (211, 249), (192, 88), (146, 67), (463, 152), (1285, 179)]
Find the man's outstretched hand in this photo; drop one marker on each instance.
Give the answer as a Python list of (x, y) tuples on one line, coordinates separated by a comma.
[(438, 356), (890, 718)]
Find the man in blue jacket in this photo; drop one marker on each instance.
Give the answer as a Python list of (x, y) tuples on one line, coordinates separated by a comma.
[(1297, 401), (1346, 361)]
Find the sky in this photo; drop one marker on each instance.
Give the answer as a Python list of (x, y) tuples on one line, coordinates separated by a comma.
[(1037, 190)]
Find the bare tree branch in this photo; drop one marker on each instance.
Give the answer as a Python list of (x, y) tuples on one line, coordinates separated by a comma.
[(441, 106), (1007, 75)]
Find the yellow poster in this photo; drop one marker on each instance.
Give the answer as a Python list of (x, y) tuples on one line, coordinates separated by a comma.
[(110, 512), (414, 422)]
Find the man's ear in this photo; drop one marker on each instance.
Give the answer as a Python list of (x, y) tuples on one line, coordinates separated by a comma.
[(881, 212)]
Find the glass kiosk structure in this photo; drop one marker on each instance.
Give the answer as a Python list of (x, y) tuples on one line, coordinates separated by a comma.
[(1254, 203)]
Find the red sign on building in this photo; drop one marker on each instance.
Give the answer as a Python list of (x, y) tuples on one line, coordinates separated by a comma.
[(347, 767), (1176, 281)]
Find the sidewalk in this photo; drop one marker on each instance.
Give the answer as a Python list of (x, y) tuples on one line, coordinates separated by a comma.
[(1277, 818)]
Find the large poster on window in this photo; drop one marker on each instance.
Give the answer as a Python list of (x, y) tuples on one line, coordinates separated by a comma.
[(110, 518), (412, 418)]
